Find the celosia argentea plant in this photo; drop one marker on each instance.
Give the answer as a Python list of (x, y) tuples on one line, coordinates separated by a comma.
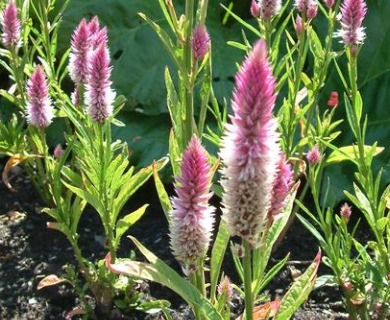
[(256, 187), (89, 168)]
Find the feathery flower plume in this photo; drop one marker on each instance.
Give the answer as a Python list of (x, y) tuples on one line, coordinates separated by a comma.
[(314, 156), (225, 288), (99, 97), (281, 188), (250, 148), (200, 42), (39, 108), (352, 15), (79, 53), (11, 26), (100, 37), (192, 217), (269, 8), (308, 7)]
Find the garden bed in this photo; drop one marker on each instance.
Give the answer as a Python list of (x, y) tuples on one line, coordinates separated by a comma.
[(29, 251)]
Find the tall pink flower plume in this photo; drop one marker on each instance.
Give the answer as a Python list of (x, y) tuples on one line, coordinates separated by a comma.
[(11, 26), (200, 42), (281, 188), (192, 217), (79, 53), (250, 149), (352, 15), (39, 108), (307, 7), (99, 96)]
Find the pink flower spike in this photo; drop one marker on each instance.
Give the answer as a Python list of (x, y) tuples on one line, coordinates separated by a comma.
[(314, 156), (192, 217), (99, 97), (250, 148), (58, 151), (11, 26), (269, 8), (79, 53), (200, 42), (281, 188), (94, 25), (100, 37), (352, 15), (39, 108)]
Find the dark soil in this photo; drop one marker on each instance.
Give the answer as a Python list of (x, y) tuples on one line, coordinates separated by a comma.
[(29, 251)]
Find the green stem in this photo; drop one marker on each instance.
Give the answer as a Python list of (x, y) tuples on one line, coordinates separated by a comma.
[(196, 309), (247, 262), (189, 87), (15, 70)]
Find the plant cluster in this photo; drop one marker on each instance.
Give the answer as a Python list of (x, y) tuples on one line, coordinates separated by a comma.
[(273, 152)]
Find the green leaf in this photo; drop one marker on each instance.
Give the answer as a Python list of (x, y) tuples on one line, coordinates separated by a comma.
[(299, 291), (217, 255), (348, 153), (162, 194), (160, 272), (126, 222)]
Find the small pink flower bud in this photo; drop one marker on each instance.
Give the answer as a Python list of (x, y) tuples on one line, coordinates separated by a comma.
[(311, 12), (345, 212), (99, 97), (329, 3), (299, 25), (200, 42), (39, 108), (352, 15), (250, 148), (192, 217), (347, 285), (314, 156), (11, 26), (255, 9), (225, 288), (58, 151)]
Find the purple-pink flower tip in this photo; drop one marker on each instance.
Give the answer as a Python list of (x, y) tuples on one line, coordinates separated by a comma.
[(255, 9), (200, 42), (192, 217), (11, 26), (329, 3), (39, 108), (352, 15), (250, 147), (346, 212), (79, 54), (269, 8), (314, 156), (99, 96), (307, 7)]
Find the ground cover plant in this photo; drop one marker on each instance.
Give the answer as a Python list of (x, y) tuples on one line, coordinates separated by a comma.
[(269, 149)]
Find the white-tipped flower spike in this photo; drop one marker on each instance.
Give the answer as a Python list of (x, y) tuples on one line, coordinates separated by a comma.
[(39, 108), (192, 217), (352, 15), (269, 8), (11, 26), (99, 97), (250, 148)]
